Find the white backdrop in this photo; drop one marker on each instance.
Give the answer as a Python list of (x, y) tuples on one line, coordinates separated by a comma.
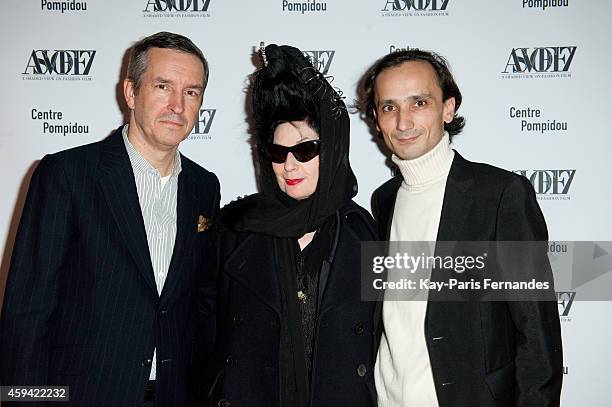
[(548, 56)]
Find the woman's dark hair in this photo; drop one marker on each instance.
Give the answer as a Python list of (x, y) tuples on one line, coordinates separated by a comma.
[(288, 88), (280, 93), (367, 103)]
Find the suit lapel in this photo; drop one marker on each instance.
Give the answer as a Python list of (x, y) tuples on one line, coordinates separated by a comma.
[(385, 203), (455, 210), (386, 206), (457, 200), (119, 189), (186, 227)]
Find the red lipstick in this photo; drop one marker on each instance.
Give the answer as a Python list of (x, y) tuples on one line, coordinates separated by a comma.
[(294, 181)]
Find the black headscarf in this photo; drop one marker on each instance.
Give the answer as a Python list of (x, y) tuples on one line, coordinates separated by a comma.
[(289, 88)]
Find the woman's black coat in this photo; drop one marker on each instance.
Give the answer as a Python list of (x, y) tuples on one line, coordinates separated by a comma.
[(245, 371)]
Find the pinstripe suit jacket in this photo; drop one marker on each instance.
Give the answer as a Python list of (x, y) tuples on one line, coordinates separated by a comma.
[(81, 307)]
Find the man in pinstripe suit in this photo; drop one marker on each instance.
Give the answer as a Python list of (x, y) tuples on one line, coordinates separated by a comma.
[(111, 285)]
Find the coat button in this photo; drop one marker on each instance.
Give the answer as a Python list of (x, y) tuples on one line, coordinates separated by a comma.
[(359, 328), (147, 362), (231, 361), (361, 370), (162, 312), (223, 403), (237, 319)]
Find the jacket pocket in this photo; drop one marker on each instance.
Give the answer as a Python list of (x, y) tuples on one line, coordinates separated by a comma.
[(501, 381)]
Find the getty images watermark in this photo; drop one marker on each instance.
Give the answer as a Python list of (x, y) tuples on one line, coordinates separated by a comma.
[(484, 271)]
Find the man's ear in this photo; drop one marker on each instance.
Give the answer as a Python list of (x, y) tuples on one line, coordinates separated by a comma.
[(376, 121), (449, 110), (129, 92)]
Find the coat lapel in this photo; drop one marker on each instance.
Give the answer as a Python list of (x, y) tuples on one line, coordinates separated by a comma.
[(119, 189), (326, 302), (253, 265), (457, 200), (385, 205), (455, 210)]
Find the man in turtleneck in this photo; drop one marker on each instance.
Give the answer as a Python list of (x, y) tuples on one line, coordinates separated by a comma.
[(453, 354)]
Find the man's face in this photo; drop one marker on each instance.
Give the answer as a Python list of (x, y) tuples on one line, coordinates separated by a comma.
[(409, 109), (165, 107)]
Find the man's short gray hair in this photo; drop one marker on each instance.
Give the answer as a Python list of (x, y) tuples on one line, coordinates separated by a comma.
[(139, 59)]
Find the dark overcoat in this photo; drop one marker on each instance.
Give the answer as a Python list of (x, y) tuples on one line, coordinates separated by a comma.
[(249, 299)]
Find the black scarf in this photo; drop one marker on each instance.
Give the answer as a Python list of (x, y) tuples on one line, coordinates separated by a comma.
[(275, 214)]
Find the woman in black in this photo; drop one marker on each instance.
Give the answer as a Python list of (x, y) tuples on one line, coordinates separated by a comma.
[(292, 329)]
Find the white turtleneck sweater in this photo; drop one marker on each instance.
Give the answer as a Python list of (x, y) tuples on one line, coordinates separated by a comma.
[(403, 372)]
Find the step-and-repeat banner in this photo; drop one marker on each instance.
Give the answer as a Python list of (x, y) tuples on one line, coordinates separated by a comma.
[(534, 76)]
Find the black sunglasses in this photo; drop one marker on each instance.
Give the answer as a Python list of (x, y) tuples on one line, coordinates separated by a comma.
[(302, 152)]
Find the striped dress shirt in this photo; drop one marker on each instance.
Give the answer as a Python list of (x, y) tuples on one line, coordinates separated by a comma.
[(158, 197)]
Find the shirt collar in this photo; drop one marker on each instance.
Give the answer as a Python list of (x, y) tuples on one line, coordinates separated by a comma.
[(140, 164)]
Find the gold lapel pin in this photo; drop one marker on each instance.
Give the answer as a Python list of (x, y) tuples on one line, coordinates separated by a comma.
[(203, 223)]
